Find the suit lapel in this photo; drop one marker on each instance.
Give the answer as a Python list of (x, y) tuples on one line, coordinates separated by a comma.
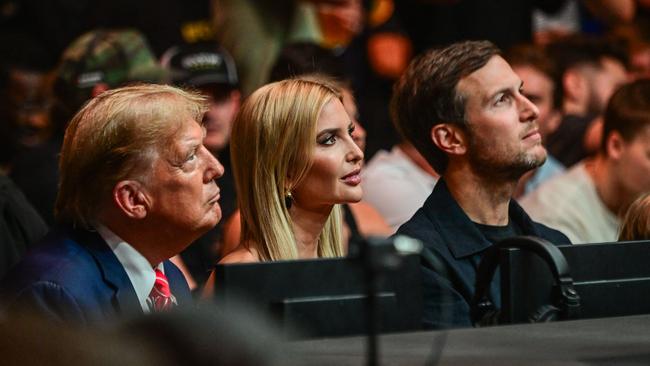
[(125, 299), (177, 283)]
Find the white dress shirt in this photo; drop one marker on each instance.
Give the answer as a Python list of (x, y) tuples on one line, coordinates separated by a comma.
[(137, 267)]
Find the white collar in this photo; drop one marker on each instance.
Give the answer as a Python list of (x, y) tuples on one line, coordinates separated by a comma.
[(137, 267)]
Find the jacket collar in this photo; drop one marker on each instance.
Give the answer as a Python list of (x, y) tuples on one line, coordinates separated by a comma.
[(458, 232), (126, 300)]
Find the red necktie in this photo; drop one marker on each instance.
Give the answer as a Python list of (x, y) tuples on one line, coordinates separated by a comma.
[(160, 298)]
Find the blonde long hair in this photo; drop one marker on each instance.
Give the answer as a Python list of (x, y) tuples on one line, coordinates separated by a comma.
[(271, 146), (636, 224)]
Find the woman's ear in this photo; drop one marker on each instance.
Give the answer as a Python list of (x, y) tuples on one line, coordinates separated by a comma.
[(130, 197), (449, 138)]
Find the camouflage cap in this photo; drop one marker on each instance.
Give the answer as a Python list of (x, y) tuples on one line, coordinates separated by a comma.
[(113, 57)]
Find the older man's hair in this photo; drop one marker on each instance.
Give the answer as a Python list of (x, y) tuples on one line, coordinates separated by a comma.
[(426, 94), (115, 137), (628, 112)]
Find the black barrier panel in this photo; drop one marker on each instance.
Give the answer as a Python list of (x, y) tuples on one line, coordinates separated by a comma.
[(324, 297), (612, 279)]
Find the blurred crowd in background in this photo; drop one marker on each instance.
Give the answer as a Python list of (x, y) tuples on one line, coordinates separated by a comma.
[(56, 54)]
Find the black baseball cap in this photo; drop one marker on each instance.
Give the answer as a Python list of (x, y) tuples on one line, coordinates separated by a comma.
[(199, 65)]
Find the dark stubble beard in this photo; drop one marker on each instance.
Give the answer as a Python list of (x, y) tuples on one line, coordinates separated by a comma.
[(502, 167)]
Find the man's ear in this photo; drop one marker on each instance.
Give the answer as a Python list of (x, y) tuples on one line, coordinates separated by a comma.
[(129, 196), (593, 138), (449, 138), (615, 145), (573, 82)]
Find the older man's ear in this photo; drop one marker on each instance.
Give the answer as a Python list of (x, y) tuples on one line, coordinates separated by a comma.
[(130, 198)]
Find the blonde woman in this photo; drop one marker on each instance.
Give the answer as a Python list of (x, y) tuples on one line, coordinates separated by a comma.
[(294, 162), (636, 224)]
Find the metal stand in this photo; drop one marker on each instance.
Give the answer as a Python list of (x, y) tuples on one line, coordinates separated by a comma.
[(378, 255)]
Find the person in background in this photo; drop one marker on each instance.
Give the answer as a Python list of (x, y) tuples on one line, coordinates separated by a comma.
[(21, 227), (254, 32), (465, 111), (434, 23), (25, 98), (94, 62), (25, 89), (25, 104), (537, 71), (589, 70), (636, 222), (637, 39), (210, 70), (137, 187), (587, 202), (589, 16), (398, 182)]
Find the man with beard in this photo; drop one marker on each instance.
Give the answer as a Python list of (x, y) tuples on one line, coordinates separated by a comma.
[(464, 109), (589, 71), (588, 201), (536, 70)]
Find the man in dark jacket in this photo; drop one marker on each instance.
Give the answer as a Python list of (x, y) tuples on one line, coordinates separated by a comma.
[(137, 187), (464, 109)]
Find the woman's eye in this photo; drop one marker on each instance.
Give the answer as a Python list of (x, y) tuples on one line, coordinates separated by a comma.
[(329, 140), (351, 131)]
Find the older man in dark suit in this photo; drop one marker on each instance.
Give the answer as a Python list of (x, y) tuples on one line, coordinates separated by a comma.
[(137, 186)]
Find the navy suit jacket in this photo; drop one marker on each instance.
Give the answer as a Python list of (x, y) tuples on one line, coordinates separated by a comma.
[(73, 276)]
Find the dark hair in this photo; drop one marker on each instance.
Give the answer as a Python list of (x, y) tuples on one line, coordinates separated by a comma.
[(8, 145), (628, 111), (426, 94), (302, 58), (580, 50), (527, 54)]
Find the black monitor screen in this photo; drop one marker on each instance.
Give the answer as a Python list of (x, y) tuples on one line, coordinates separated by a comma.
[(324, 297)]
